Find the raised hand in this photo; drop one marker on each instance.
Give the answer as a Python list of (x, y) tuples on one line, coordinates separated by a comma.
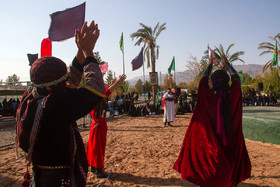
[(114, 81), (86, 38), (121, 78)]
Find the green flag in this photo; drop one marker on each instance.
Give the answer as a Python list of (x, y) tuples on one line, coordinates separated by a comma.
[(121, 43), (275, 56), (156, 103), (172, 66)]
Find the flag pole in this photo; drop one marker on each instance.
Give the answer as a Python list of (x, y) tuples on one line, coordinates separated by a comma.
[(174, 78), (278, 75), (174, 71), (123, 63)]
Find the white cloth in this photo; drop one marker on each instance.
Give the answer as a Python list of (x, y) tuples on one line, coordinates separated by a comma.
[(169, 108)]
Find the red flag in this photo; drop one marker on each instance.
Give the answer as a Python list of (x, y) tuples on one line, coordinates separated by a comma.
[(46, 47), (104, 67)]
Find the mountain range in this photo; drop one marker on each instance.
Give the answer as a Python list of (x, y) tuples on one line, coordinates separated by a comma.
[(185, 76)]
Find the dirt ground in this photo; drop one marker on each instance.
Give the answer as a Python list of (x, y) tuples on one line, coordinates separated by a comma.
[(141, 152)]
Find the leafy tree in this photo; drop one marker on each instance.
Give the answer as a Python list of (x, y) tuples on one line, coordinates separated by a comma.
[(196, 69), (132, 89), (109, 78), (183, 85), (139, 86), (148, 36), (271, 82), (268, 48), (221, 54), (13, 80), (126, 86), (168, 82), (248, 80), (122, 88), (147, 86), (192, 86), (98, 58)]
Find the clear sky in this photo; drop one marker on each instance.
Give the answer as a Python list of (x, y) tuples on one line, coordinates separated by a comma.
[(191, 25)]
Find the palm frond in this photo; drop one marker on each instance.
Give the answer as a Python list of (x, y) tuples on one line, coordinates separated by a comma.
[(266, 44), (156, 27), (272, 38), (147, 29), (277, 36), (265, 52), (139, 41), (148, 56), (267, 65), (218, 52), (161, 28), (138, 34), (221, 49), (230, 46), (238, 53)]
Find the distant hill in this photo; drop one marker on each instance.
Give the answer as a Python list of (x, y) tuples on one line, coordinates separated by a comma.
[(251, 69)]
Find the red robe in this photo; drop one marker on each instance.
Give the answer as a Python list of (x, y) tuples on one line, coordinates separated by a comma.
[(97, 139), (203, 160)]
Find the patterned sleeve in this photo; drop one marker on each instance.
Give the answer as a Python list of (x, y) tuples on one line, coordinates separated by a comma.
[(75, 72), (93, 77)]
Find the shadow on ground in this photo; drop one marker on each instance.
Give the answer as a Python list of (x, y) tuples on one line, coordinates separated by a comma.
[(151, 181)]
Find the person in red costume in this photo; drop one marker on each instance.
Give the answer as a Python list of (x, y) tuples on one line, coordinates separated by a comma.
[(213, 151), (98, 133)]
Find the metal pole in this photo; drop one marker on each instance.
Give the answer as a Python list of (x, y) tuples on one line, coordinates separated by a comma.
[(160, 78), (123, 64), (278, 76), (174, 71)]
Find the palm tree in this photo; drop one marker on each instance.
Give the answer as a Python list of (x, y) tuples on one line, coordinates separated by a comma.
[(224, 56), (148, 37), (269, 48)]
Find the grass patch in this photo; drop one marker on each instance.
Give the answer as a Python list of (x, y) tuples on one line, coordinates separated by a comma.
[(262, 129)]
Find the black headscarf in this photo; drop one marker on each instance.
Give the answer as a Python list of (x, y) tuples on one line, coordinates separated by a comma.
[(220, 81)]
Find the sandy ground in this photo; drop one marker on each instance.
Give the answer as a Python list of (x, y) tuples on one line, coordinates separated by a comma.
[(145, 153)]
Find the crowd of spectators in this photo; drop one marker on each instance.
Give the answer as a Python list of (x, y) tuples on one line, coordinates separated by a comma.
[(253, 98), (129, 104), (8, 108), (186, 103)]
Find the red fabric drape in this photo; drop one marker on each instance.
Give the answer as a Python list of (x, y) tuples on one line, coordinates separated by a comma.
[(97, 139), (203, 160), (46, 47)]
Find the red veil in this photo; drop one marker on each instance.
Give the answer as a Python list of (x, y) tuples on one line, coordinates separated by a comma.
[(203, 160)]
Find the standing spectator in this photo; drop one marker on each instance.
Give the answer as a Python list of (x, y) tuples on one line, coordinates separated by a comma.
[(169, 108)]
